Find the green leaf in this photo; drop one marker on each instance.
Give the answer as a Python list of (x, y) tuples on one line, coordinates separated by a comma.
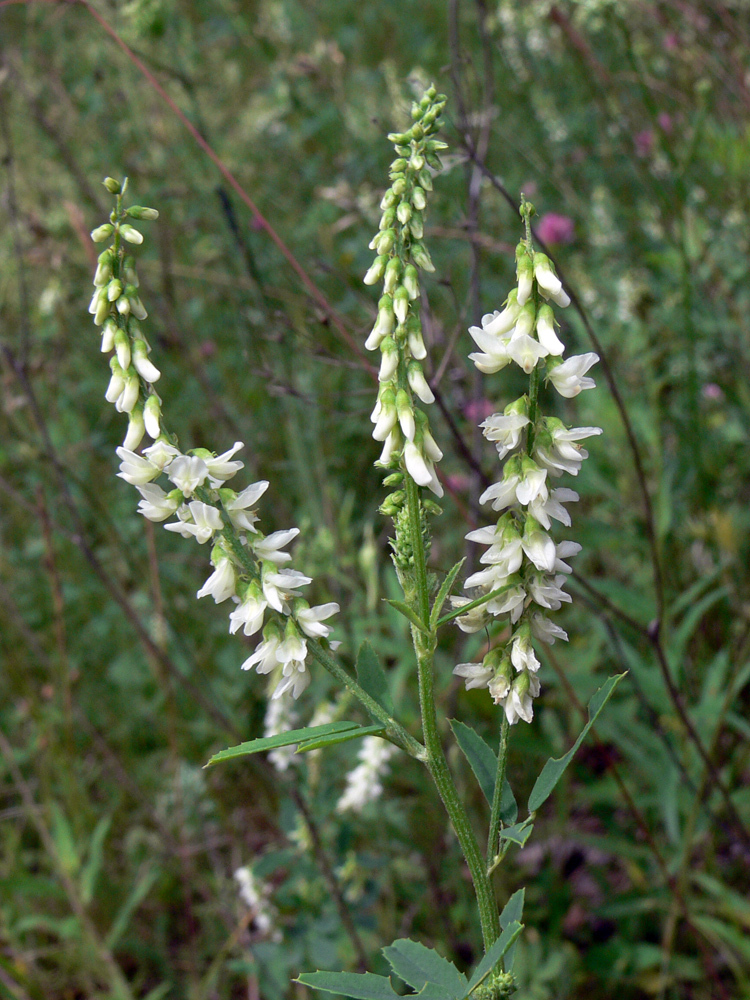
[(496, 952), (512, 913), (131, 904), (508, 806), (443, 593), (281, 740), (94, 861), (350, 984), (519, 833), (407, 612), (480, 756), (372, 678), (418, 965), (349, 734), (553, 769)]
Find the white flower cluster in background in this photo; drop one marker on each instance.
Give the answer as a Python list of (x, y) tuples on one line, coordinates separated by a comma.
[(249, 568), (522, 561), (365, 783), (403, 427), (255, 894)]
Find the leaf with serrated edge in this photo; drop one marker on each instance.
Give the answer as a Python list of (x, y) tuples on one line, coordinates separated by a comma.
[(512, 912), (418, 965), (443, 593), (365, 986), (495, 953), (372, 678), (407, 612), (481, 757), (280, 740), (553, 769), (329, 741), (508, 806)]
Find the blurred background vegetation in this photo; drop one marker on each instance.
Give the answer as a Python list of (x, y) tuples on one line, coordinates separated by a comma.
[(628, 125)]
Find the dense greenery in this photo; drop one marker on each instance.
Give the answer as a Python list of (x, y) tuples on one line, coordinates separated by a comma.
[(118, 851)]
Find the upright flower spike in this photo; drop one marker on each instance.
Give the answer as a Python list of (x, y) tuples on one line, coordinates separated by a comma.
[(523, 562), (398, 330), (245, 563)]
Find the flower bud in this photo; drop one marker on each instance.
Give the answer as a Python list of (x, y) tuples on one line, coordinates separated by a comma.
[(416, 162), (418, 383), (123, 305), (388, 200), (387, 416), (130, 234), (101, 233), (116, 382), (416, 226), (122, 347), (102, 307), (143, 366), (403, 212), (392, 273), (128, 267), (525, 272), (384, 241), (114, 290), (139, 212), (398, 166), (103, 269), (401, 303), (425, 179), (376, 270), (136, 429), (526, 319), (421, 257), (416, 344), (501, 682), (389, 360), (405, 414), (418, 199), (129, 395), (387, 218), (108, 335), (152, 416), (399, 185), (410, 281), (383, 324), (111, 185), (136, 306)]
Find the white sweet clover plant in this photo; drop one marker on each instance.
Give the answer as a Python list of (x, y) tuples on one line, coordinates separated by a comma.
[(523, 572), (249, 568)]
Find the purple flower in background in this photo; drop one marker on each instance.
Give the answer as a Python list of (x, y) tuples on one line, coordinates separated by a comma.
[(477, 410), (712, 391), (665, 121), (554, 228), (644, 142)]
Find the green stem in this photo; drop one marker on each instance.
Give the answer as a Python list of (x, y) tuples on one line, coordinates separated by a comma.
[(533, 407), (502, 759), (424, 646), (395, 731)]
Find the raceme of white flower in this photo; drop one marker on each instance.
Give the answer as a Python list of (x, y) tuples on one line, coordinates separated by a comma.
[(399, 424), (255, 894), (365, 783), (280, 718), (523, 568), (248, 567)]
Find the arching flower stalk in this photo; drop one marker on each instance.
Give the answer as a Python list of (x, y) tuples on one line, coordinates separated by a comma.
[(524, 569), (249, 568)]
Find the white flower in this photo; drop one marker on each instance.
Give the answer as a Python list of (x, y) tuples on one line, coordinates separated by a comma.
[(418, 383), (545, 276), (473, 620), (255, 895), (364, 784), (565, 550), (543, 508), (476, 674), (499, 323), (569, 377), (280, 718), (511, 601), (545, 331), (522, 654), (505, 431), (239, 514), (129, 395), (538, 546), (220, 468), (221, 584), (532, 483), (545, 630), (525, 351), (563, 455), (160, 454), (309, 619), (421, 468), (278, 585), (384, 416), (264, 658), (295, 678), (269, 548), (156, 505), (293, 646), (249, 614), (547, 592), (494, 349), (205, 521), (503, 494), (134, 469), (519, 704), (187, 472)]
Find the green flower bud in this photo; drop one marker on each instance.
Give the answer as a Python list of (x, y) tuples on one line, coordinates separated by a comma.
[(114, 290), (399, 186), (130, 234), (392, 274), (416, 226), (111, 185), (401, 303), (418, 199), (101, 233), (403, 212), (139, 212), (122, 347), (421, 256), (394, 479), (425, 179), (388, 199), (398, 166), (410, 281), (416, 162), (376, 270), (387, 218), (102, 307)]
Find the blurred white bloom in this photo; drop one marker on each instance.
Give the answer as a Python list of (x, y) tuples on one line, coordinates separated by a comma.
[(255, 894), (364, 783), (280, 718)]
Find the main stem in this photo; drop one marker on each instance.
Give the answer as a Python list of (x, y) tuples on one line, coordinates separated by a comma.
[(424, 646)]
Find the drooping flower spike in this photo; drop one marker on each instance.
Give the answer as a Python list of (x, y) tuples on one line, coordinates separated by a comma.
[(522, 561), (248, 568)]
